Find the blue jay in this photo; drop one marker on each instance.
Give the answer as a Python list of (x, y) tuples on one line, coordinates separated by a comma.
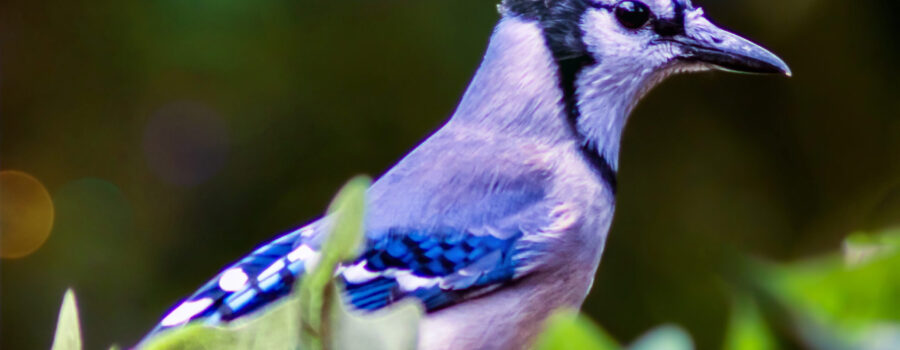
[(501, 216)]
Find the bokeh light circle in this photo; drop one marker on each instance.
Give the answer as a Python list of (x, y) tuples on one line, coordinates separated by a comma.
[(185, 143), (26, 214)]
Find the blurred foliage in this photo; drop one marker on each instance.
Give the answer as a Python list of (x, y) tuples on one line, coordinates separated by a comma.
[(831, 304), (68, 328), (315, 315), (747, 329), (287, 98), (664, 338), (843, 305), (347, 212), (567, 330), (308, 319)]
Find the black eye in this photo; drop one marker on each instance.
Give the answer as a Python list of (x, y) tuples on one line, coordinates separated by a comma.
[(632, 14)]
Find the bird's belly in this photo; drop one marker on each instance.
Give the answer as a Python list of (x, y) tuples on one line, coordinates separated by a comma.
[(509, 318)]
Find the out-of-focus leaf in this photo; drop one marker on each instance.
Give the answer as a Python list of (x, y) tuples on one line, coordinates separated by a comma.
[(747, 330), (881, 337), (277, 327), (567, 330), (838, 305), (68, 330), (303, 320), (664, 338), (346, 212), (860, 247), (348, 209), (394, 328)]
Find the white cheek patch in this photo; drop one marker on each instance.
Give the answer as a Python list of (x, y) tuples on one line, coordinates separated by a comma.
[(606, 38), (232, 280), (185, 312)]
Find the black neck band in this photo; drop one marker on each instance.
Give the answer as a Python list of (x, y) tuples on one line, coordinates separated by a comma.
[(565, 40)]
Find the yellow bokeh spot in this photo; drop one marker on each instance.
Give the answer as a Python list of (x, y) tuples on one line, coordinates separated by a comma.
[(26, 214)]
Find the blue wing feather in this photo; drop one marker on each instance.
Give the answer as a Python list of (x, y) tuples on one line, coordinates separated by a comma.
[(456, 262), (437, 233)]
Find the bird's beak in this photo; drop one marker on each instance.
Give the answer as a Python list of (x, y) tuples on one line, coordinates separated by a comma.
[(704, 42)]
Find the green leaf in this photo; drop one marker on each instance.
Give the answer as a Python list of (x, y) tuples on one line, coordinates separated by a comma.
[(300, 321), (396, 327), (348, 209), (664, 338), (567, 330), (346, 214), (314, 315), (68, 330), (836, 304), (276, 327), (747, 330)]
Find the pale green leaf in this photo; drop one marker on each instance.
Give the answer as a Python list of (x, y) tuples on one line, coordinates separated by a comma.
[(315, 315), (393, 328), (275, 327), (860, 247), (346, 214), (348, 209), (664, 338), (68, 330)]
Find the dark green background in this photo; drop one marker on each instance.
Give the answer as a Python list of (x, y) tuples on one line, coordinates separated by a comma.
[(310, 93)]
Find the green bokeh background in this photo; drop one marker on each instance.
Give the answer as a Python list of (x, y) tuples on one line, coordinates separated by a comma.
[(310, 93)]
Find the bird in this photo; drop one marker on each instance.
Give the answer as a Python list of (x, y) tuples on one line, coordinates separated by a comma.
[(501, 216)]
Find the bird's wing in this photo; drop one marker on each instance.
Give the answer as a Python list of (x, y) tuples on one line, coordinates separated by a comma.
[(439, 265), (436, 233)]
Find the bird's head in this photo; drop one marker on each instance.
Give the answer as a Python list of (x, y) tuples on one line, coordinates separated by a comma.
[(668, 34), (610, 52), (648, 35)]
